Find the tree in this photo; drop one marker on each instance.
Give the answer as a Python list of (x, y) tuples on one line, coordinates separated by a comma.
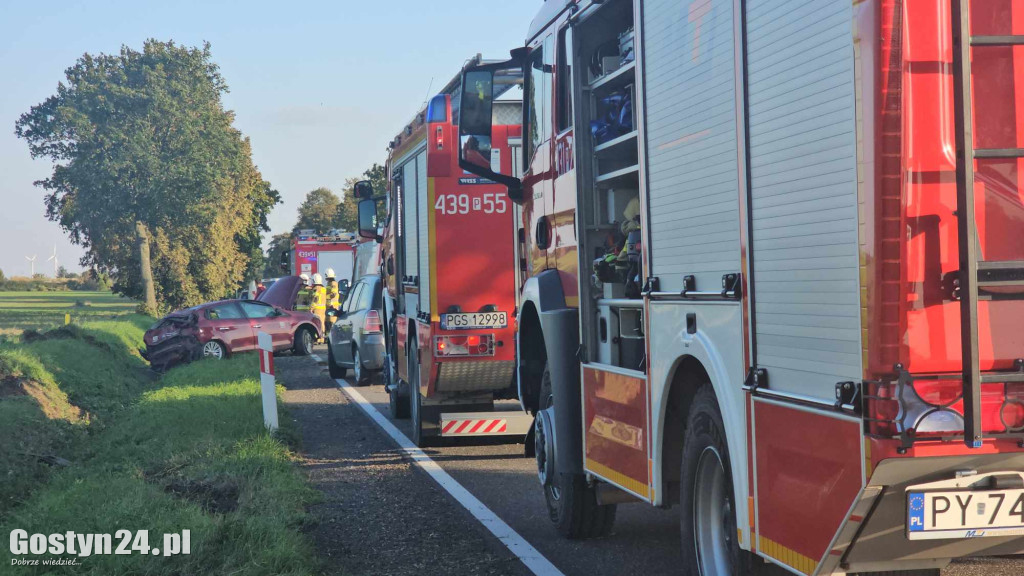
[(2, 277), (62, 272), (318, 211), (279, 244), (143, 138), (347, 215)]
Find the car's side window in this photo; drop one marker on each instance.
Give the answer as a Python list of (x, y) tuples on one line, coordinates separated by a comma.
[(365, 297), (224, 312), (353, 297), (257, 310)]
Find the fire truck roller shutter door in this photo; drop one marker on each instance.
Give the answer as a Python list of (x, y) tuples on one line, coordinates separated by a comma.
[(410, 200), (691, 142), (804, 196), (426, 242)]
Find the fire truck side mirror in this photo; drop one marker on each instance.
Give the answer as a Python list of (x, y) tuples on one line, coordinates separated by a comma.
[(480, 85), (368, 219), (363, 190)]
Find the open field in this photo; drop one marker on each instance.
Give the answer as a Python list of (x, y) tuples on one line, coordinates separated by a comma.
[(20, 311), (96, 442)]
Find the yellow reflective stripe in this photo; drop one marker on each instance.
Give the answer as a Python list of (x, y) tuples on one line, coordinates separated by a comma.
[(619, 478), (787, 556)]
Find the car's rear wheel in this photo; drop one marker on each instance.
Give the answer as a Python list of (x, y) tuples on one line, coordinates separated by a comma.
[(303, 345), (358, 373), (332, 365), (214, 349)]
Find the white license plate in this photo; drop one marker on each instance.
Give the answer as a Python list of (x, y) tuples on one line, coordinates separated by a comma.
[(474, 320), (964, 513)]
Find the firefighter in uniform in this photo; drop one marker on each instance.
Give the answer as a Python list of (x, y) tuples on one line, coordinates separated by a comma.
[(333, 299), (319, 305), (304, 299)]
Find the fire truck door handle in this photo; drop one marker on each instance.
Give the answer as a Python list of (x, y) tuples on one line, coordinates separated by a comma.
[(226, 328), (257, 325), (543, 233)]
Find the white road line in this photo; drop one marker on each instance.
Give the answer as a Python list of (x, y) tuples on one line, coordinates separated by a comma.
[(516, 544)]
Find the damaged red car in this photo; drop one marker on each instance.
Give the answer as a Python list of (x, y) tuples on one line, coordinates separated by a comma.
[(219, 329)]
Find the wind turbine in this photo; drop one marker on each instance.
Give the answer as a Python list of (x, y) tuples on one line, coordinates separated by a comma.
[(54, 258), (32, 264)]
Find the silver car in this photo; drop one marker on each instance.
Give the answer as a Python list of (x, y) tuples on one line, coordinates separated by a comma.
[(356, 340)]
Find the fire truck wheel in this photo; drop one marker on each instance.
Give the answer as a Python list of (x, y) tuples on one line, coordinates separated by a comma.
[(398, 403), (332, 365), (572, 502), (416, 412), (708, 514)]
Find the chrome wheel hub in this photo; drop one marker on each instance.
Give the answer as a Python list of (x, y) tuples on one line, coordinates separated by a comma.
[(213, 350), (712, 515)]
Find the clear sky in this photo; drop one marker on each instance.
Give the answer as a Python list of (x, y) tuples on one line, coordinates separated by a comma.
[(320, 87)]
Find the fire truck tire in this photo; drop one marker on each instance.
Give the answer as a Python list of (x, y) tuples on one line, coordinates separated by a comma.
[(707, 512), (398, 403), (571, 501), (417, 413), (332, 365)]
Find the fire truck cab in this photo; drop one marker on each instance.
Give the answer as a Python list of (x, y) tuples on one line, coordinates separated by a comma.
[(448, 261), (773, 274)]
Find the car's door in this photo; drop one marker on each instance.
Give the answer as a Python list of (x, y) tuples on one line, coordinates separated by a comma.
[(231, 326), (341, 333), (266, 318)]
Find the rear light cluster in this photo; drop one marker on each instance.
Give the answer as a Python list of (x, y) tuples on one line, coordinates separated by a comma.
[(464, 346), (371, 324), (932, 408)]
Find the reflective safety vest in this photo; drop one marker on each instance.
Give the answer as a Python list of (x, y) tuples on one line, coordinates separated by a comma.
[(304, 300), (333, 296), (319, 304)]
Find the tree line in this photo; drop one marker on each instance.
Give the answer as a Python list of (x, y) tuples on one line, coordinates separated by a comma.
[(150, 176)]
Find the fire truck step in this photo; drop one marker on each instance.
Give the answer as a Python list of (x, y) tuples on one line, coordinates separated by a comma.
[(462, 424)]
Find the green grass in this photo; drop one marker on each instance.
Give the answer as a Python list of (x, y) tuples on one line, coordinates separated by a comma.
[(185, 451), (20, 311)]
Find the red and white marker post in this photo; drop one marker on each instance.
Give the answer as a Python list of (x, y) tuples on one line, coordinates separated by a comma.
[(267, 384)]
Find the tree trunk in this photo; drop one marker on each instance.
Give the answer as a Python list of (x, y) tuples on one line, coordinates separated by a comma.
[(147, 269)]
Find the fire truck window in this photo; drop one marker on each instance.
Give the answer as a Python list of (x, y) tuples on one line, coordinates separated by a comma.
[(539, 105), (563, 105)]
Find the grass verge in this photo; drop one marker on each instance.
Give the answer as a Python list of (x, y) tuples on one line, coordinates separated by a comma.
[(187, 451)]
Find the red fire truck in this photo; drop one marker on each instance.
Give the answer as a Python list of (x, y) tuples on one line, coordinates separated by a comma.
[(315, 253), (774, 256), (448, 266)]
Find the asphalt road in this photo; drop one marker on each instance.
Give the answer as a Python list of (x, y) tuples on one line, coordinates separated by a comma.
[(645, 540)]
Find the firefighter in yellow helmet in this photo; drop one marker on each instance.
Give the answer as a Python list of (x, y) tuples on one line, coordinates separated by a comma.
[(304, 299), (333, 299), (319, 306)]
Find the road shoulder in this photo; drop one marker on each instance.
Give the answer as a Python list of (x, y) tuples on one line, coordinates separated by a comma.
[(379, 514)]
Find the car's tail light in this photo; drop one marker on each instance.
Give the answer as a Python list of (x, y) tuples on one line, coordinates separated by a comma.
[(465, 346), (371, 324)]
